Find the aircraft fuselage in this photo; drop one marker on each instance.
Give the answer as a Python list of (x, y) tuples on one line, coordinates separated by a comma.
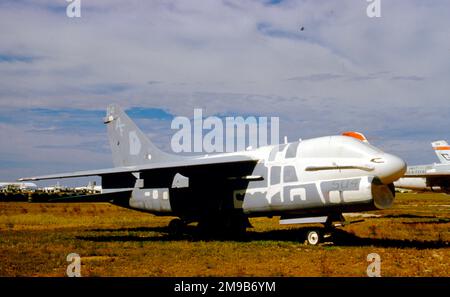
[(316, 176)]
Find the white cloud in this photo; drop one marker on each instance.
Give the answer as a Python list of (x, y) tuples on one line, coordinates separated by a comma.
[(376, 75)]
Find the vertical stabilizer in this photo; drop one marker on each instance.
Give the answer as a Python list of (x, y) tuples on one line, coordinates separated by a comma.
[(129, 145), (442, 150)]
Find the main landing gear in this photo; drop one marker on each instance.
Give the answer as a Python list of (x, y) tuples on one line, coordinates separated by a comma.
[(177, 227), (317, 235), (233, 226)]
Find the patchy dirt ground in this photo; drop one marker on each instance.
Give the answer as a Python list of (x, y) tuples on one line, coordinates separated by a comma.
[(412, 239)]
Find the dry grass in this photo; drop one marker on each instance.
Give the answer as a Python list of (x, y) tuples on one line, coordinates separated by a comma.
[(412, 239)]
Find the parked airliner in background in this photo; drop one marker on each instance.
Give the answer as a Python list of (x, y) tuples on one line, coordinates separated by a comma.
[(20, 185), (433, 177), (313, 180)]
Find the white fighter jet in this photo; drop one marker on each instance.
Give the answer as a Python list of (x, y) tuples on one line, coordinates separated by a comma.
[(432, 177), (309, 181)]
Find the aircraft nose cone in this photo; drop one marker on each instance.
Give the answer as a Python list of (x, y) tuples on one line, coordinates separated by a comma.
[(392, 169)]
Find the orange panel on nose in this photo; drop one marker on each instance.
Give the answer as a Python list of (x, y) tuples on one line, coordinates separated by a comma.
[(442, 148), (356, 135)]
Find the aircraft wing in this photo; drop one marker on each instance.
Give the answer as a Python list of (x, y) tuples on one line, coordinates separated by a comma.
[(99, 197), (429, 171), (212, 161), (429, 174)]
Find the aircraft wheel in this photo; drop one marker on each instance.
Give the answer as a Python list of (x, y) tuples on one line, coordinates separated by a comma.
[(313, 237), (176, 227)]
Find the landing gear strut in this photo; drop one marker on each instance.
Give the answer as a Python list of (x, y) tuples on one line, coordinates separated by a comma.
[(227, 226)]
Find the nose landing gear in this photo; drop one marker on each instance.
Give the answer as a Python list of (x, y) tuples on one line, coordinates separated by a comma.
[(313, 237)]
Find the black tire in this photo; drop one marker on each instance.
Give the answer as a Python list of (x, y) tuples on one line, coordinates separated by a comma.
[(176, 227), (237, 230)]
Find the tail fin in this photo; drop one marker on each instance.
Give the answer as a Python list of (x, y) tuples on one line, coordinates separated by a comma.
[(129, 145), (442, 150)]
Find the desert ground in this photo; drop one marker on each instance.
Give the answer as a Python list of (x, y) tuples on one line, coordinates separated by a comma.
[(412, 239)]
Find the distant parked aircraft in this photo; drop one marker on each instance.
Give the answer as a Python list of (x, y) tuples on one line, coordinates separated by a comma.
[(20, 185), (433, 177)]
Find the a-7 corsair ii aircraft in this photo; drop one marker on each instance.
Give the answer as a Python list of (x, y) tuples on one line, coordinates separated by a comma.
[(310, 181)]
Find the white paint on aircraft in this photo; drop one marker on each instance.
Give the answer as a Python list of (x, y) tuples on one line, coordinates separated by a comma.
[(135, 143), (120, 126)]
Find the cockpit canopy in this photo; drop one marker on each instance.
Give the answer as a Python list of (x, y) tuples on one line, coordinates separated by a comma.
[(336, 147)]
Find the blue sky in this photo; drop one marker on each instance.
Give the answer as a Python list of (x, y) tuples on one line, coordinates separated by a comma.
[(386, 77)]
